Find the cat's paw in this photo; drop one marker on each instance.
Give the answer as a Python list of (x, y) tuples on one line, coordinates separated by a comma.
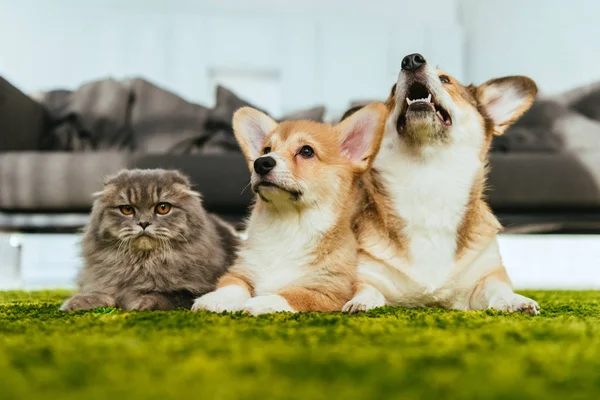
[(229, 298), (144, 303), (267, 304), (87, 302), (364, 302), (515, 303)]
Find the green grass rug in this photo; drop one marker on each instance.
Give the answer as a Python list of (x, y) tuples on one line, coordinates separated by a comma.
[(391, 353)]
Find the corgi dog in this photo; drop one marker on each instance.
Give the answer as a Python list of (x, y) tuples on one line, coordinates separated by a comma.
[(300, 253), (426, 234)]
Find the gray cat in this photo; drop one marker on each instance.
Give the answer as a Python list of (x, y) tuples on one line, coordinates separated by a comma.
[(150, 245)]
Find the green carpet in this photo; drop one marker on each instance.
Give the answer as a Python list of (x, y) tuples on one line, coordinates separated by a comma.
[(390, 353)]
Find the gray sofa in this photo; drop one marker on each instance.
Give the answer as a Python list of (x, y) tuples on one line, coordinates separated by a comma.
[(51, 162)]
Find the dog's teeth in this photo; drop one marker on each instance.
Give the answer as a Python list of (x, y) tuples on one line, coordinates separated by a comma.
[(423, 100)]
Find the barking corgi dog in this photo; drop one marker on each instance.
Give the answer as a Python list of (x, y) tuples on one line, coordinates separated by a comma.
[(426, 235), (301, 253)]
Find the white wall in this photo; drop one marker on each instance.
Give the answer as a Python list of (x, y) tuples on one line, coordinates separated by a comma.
[(283, 55), (556, 42)]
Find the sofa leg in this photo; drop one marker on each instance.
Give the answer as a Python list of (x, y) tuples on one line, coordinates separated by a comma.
[(10, 261)]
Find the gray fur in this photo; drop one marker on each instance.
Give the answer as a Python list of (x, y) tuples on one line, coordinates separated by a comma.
[(180, 258)]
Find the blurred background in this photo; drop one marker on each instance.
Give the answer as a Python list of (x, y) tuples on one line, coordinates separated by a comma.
[(90, 87)]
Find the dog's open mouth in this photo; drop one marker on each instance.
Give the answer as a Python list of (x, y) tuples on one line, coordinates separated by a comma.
[(420, 100), (294, 194)]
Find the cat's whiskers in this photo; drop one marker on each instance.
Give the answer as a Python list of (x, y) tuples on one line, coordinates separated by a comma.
[(165, 248), (123, 244), (179, 234), (116, 246)]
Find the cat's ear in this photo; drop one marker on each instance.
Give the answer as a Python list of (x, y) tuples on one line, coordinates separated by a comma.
[(106, 180), (251, 127), (176, 176), (193, 193), (362, 133), (109, 179)]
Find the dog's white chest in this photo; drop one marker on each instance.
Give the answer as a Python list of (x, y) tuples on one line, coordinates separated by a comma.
[(278, 256), (431, 197)]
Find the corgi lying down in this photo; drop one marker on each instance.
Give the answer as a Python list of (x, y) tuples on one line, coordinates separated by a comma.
[(426, 235), (301, 253)]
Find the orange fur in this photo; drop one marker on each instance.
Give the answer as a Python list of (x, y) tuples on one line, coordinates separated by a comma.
[(303, 299), (478, 221), (235, 278), (301, 252), (387, 251)]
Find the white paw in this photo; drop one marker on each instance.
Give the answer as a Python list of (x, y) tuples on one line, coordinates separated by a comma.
[(516, 303), (229, 298), (267, 304), (364, 301)]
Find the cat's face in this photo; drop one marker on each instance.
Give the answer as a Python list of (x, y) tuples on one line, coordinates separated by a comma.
[(147, 209)]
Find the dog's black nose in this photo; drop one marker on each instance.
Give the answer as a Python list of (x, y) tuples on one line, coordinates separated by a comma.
[(413, 62), (144, 225), (264, 165)]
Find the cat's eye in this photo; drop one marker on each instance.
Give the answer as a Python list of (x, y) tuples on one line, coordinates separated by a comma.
[(444, 79), (306, 152), (266, 150), (127, 210), (162, 208)]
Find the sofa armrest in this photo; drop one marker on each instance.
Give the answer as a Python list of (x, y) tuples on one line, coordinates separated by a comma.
[(23, 122)]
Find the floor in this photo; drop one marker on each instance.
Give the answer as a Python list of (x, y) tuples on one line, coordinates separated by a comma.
[(388, 353), (48, 261)]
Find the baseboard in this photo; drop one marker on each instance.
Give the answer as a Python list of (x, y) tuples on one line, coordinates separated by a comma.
[(47, 261)]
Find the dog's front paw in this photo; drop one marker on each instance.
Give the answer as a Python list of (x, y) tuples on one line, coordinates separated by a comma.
[(516, 303), (267, 304), (229, 298), (87, 302), (364, 302)]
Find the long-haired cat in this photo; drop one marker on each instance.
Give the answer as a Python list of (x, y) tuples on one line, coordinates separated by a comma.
[(150, 245)]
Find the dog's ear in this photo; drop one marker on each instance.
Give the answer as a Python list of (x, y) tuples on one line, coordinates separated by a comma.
[(361, 135), (506, 99), (250, 127), (350, 111)]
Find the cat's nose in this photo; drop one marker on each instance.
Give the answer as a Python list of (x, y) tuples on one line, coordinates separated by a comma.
[(144, 224)]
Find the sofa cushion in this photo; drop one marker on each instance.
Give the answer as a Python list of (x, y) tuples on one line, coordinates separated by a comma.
[(550, 126), (161, 120), (22, 120), (57, 181), (589, 105), (93, 117), (540, 181), (228, 103), (218, 136)]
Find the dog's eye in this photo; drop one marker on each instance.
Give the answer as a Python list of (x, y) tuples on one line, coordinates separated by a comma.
[(162, 208), (266, 150), (306, 152), (444, 79), (127, 210)]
